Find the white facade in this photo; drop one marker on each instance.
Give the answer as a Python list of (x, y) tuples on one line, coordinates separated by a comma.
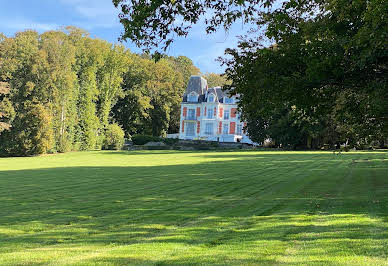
[(209, 114)]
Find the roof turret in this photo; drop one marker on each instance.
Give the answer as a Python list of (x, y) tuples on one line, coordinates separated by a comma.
[(197, 84)]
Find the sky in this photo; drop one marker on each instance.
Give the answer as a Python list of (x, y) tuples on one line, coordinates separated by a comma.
[(100, 18)]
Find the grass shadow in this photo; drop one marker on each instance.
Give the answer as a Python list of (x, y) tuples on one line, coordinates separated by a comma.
[(262, 207)]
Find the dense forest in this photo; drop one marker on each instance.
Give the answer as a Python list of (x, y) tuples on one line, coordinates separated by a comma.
[(63, 90)]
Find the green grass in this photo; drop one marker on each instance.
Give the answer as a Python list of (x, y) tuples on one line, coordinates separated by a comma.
[(168, 207)]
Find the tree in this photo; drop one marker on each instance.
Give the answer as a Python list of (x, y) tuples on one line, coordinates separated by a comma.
[(21, 60), (216, 80), (38, 137), (319, 65), (152, 24), (153, 92), (109, 80), (166, 89), (31, 132), (60, 84), (7, 111), (89, 58), (185, 66), (132, 111)]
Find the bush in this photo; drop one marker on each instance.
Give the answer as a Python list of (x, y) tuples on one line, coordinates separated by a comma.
[(143, 139), (170, 142), (64, 144), (114, 138), (154, 148)]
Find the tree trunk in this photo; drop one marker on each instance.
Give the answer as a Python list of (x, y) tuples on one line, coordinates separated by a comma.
[(309, 140)]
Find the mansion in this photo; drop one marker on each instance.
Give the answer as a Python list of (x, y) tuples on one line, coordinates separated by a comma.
[(210, 114)]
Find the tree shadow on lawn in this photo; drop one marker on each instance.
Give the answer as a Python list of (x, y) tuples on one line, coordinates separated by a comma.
[(149, 152), (215, 210), (309, 155), (251, 153), (179, 152)]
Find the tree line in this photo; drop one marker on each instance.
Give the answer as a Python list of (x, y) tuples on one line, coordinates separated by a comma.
[(308, 73), (63, 90)]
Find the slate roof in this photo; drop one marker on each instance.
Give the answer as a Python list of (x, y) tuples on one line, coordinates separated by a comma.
[(199, 85)]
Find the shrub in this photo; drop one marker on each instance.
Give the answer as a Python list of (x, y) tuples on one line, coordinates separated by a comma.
[(114, 138), (154, 148), (170, 141), (143, 139)]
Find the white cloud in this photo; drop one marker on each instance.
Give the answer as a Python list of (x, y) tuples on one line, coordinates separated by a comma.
[(87, 14), (100, 10), (23, 24), (95, 11)]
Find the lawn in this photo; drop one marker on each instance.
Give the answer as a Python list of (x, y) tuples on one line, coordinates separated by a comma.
[(170, 207)]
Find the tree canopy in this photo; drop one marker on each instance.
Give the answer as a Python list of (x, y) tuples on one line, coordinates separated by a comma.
[(216, 80), (157, 23)]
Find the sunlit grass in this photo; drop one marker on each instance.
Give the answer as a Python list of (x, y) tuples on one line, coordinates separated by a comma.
[(168, 207)]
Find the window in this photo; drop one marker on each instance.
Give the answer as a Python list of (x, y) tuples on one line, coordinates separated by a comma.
[(210, 113), (239, 129), (191, 114), (192, 97), (226, 114), (226, 129), (190, 129), (228, 100), (210, 99), (209, 129)]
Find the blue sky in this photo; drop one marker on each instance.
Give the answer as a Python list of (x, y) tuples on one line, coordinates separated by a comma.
[(99, 17)]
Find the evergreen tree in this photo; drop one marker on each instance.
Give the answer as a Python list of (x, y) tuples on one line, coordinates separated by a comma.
[(89, 59)]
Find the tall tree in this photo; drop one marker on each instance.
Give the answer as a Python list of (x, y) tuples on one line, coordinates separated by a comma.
[(61, 85), (89, 58), (166, 89), (153, 92), (185, 66), (109, 80), (22, 62), (132, 111)]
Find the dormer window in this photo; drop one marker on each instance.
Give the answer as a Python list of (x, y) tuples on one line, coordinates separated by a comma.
[(228, 100), (192, 97), (210, 98)]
